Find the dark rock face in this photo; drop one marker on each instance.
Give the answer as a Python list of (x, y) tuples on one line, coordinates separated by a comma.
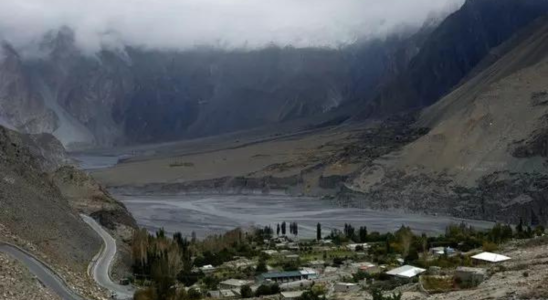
[(136, 96), (453, 50)]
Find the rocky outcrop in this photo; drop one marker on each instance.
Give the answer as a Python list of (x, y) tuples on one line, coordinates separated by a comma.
[(88, 197), (485, 154), (34, 210)]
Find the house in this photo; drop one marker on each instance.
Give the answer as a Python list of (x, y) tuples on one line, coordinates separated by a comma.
[(344, 287), (406, 271), (317, 264), (473, 276), (222, 294), (491, 257), (280, 245), (240, 263), (207, 269), (309, 273), (234, 284), (288, 276), (291, 295), (296, 285), (438, 251), (270, 252), (293, 246), (353, 247), (365, 267), (292, 257)]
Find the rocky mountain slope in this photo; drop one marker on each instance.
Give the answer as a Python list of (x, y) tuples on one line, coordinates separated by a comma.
[(133, 95), (485, 153), (451, 51), (479, 152), (41, 198), (36, 215)]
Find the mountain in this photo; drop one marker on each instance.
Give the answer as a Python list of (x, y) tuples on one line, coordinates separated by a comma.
[(453, 50), (133, 95), (41, 199), (34, 211), (485, 153)]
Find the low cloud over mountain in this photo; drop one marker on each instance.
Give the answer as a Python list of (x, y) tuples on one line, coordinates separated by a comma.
[(180, 24)]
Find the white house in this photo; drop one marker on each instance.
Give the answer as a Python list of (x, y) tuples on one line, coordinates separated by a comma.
[(291, 295), (270, 252), (344, 287), (406, 271), (207, 269), (234, 284), (491, 257), (352, 247), (222, 294)]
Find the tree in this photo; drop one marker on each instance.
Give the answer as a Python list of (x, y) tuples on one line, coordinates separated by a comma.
[(539, 230), (246, 292), (519, 228), (278, 229), (363, 234), (349, 231), (265, 290), (194, 294), (295, 229), (319, 231), (291, 228), (283, 228), (261, 267)]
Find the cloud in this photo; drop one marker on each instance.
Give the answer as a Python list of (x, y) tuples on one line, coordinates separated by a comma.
[(180, 24)]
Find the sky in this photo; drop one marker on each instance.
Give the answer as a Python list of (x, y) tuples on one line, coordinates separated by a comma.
[(181, 24)]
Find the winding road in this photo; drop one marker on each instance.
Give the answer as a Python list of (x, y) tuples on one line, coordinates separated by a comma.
[(44, 274), (99, 267), (102, 263)]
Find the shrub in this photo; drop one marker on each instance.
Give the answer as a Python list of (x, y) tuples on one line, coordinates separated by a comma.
[(377, 295), (489, 247), (246, 291)]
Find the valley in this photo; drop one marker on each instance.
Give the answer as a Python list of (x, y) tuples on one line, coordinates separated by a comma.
[(408, 160), (215, 214)]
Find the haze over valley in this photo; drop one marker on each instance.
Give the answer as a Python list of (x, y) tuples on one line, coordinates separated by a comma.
[(311, 149)]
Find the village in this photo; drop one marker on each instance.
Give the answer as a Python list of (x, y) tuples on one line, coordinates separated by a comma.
[(342, 265)]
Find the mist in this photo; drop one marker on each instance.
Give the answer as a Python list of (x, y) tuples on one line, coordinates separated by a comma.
[(181, 24)]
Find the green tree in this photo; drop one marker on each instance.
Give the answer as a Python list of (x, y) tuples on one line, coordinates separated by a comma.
[(519, 228), (261, 267), (363, 234), (319, 231), (246, 292)]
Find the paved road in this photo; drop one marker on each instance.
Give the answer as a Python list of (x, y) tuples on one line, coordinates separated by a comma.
[(41, 271), (102, 264)]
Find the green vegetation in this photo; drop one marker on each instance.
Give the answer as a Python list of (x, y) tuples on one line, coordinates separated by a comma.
[(377, 295), (246, 292), (267, 289), (160, 263)]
